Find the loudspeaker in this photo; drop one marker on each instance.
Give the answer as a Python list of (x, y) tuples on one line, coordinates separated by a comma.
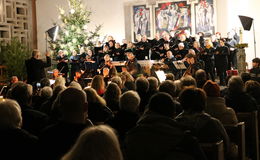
[(246, 22)]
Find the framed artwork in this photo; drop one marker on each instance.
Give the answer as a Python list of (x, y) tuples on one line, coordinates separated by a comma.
[(172, 16), (141, 21), (205, 17)]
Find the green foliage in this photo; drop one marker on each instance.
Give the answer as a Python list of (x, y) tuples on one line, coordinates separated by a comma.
[(73, 30), (13, 56)]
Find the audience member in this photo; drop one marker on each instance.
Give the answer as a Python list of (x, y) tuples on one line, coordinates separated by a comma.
[(98, 112), (56, 139), (237, 98), (16, 143), (153, 86), (158, 136), (33, 121), (98, 84), (112, 95), (215, 105), (206, 128), (142, 86), (95, 143), (253, 89), (127, 115), (201, 78)]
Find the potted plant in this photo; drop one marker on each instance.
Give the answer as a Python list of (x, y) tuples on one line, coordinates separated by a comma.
[(13, 55)]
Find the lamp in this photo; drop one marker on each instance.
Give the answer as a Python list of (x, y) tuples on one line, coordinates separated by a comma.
[(52, 33), (247, 23)]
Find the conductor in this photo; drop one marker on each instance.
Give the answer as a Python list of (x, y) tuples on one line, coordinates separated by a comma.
[(35, 67)]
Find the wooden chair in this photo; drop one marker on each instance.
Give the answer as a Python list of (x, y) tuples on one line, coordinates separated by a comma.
[(237, 135), (251, 133), (213, 151)]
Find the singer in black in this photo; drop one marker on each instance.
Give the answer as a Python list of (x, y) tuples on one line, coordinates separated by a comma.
[(62, 65), (221, 61)]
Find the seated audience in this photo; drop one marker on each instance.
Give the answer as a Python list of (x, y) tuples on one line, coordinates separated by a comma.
[(206, 128), (201, 78), (169, 87), (142, 86), (95, 143), (128, 113), (16, 143), (215, 105), (255, 71), (153, 86), (253, 89), (98, 84), (98, 112), (237, 98), (33, 121), (112, 96), (158, 136), (188, 81), (55, 140)]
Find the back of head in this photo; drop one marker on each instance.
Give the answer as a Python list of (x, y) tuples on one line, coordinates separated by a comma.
[(168, 87), (21, 93), (59, 81), (235, 84), (193, 99), (245, 77), (162, 103), (200, 75), (113, 92), (45, 82), (117, 80), (98, 83), (93, 97), (153, 83), (187, 81), (252, 87), (212, 89), (129, 101), (10, 114), (142, 84), (46, 92), (75, 85), (57, 89), (170, 76), (72, 101), (96, 143)]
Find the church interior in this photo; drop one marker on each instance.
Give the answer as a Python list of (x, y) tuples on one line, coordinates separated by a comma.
[(129, 79)]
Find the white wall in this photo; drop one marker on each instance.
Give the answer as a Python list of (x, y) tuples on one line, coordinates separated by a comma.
[(115, 18)]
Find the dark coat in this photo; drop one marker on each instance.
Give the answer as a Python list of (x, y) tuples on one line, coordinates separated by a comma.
[(35, 69), (57, 139), (221, 59), (160, 137), (17, 144)]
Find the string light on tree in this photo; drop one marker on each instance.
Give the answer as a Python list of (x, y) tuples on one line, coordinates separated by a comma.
[(74, 28)]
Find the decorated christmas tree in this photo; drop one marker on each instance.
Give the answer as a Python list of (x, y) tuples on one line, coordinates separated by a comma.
[(73, 32)]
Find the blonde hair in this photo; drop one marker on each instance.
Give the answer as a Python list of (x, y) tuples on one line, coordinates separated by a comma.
[(98, 83), (95, 143), (59, 81), (10, 114), (93, 97)]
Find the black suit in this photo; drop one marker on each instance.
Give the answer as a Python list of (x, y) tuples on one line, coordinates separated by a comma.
[(35, 69)]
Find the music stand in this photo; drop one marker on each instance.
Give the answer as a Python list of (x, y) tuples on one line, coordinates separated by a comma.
[(179, 65)]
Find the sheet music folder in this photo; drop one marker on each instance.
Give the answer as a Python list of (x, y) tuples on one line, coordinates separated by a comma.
[(179, 65)]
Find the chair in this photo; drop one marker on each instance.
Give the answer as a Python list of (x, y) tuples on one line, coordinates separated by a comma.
[(237, 135), (213, 151), (251, 133)]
